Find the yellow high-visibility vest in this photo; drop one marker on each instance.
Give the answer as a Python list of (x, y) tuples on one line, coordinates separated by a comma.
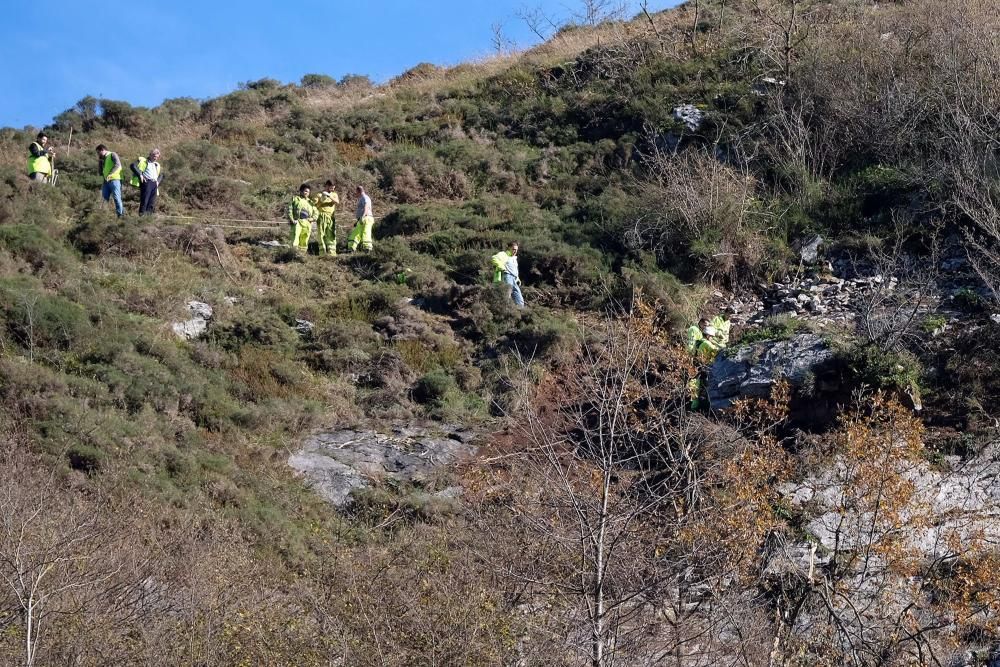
[(327, 202), (110, 171), (41, 164)]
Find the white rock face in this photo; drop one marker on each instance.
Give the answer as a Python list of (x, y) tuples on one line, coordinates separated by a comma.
[(963, 502), (190, 329), (336, 463), (690, 115)]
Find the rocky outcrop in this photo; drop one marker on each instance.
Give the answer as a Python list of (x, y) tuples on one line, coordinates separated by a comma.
[(752, 370), (959, 499), (190, 329), (955, 504), (690, 115), (338, 462)]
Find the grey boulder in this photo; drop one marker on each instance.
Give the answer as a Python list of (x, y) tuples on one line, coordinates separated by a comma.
[(752, 370)]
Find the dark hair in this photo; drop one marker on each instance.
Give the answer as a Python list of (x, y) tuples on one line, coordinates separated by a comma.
[(41, 135), (101, 147), (304, 186), (328, 183)]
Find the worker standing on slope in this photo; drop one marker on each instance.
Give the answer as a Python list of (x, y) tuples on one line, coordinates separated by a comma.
[(146, 175), (326, 225), (39, 159), (506, 271), (362, 232), (301, 214), (110, 166)]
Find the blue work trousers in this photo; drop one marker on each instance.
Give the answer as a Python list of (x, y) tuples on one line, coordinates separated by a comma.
[(114, 189), (515, 289)]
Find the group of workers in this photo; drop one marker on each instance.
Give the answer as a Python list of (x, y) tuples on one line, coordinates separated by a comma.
[(146, 173), (704, 340), (304, 210)]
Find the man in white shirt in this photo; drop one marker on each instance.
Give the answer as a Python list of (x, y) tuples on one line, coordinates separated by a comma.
[(146, 173), (362, 232)]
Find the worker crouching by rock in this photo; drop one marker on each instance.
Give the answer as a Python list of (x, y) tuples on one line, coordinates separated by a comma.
[(704, 342)]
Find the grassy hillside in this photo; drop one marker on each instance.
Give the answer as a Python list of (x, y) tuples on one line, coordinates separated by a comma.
[(146, 485)]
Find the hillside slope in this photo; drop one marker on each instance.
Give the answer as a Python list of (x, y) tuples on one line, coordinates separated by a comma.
[(652, 171)]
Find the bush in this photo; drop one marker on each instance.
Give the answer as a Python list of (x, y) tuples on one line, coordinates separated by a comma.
[(42, 322), (778, 327), (31, 244), (85, 458), (877, 368), (317, 81), (259, 328), (101, 234), (433, 387)]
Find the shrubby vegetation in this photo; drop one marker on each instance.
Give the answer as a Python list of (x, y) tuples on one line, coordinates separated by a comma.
[(167, 510)]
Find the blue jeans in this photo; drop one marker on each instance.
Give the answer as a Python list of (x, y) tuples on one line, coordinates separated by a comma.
[(113, 189), (515, 289)]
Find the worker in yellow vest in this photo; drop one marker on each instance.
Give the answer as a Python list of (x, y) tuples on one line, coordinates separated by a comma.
[(704, 342), (301, 215), (505, 270), (326, 224), (110, 166), (40, 156), (146, 175)]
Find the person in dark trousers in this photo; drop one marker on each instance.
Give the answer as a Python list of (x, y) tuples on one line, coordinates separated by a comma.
[(147, 175), (40, 156)]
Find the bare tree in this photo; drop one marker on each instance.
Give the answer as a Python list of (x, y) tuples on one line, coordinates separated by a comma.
[(502, 44), (594, 12), (635, 529), (903, 288), (540, 23), (51, 557), (792, 22)]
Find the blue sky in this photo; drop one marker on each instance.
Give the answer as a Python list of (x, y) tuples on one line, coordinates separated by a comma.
[(59, 51)]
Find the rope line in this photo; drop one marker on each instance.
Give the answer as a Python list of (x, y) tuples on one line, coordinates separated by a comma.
[(210, 221), (209, 224), (203, 217)]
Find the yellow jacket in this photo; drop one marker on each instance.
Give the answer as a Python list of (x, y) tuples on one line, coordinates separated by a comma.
[(326, 202)]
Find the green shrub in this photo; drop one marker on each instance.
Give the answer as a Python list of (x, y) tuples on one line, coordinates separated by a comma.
[(42, 322), (878, 368), (101, 234), (85, 458), (33, 245), (776, 327), (969, 301), (261, 328), (433, 387)]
